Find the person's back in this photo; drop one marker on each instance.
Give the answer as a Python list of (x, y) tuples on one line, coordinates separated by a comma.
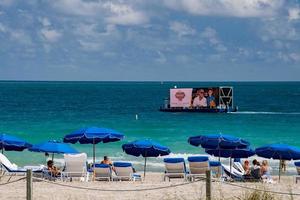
[(265, 172), (106, 160), (255, 170)]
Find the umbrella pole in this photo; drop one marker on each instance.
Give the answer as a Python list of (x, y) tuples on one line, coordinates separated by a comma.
[(230, 167), (279, 170), (94, 152), (52, 156), (145, 167), (2, 154)]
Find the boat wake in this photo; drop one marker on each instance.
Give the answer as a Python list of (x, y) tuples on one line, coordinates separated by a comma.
[(265, 113)]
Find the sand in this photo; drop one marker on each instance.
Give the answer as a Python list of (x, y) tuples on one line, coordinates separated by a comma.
[(196, 190)]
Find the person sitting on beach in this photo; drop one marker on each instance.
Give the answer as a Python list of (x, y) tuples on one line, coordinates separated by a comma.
[(255, 170), (52, 169), (200, 100), (107, 161), (265, 171), (246, 167)]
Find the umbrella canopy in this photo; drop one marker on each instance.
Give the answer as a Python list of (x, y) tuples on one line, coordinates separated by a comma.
[(145, 148), (93, 135), (53, 146), (279, 152), (231, 153), (215, 141), (12, 143)]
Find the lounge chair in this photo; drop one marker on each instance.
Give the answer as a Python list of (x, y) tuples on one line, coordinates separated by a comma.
[(297, 165), (75, 167), (233, 173), (102, 172), (198, 166), (175, 168), (12, 169), (216, 168), (238, 166), (124, 172)]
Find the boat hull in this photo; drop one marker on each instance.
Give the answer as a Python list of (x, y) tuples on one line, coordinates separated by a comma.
[(198, 110)]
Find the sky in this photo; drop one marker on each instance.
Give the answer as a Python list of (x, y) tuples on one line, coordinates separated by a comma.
[(150, 40)]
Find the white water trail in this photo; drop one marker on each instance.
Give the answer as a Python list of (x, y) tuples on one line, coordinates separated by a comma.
[(265, 113)]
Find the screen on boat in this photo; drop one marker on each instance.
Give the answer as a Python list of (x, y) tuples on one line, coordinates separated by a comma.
[(194, 97)]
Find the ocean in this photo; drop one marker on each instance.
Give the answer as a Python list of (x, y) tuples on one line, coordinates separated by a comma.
[(269, 112)]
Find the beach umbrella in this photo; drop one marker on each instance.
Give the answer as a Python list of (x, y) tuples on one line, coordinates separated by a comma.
[(93, 135), (279, 152), (231, 153), (215, 141), (12, 143), (54, 147), (145, 148)]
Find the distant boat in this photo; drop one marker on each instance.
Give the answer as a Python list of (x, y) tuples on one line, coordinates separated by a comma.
[(204, 99)]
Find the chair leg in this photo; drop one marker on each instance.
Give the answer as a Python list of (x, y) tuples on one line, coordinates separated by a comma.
[(9, 178)]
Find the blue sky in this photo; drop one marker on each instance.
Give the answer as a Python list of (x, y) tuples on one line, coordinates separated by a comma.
[(190, 40)]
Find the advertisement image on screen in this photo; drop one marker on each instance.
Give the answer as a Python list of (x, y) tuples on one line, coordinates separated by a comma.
[(181, 97), (205, 97)]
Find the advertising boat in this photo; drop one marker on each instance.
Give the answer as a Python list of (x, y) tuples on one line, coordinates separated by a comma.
[(202, 99)]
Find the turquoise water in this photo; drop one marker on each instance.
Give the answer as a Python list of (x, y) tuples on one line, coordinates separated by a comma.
[(269, 112)]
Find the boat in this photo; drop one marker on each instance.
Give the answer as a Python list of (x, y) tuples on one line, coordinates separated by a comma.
[(200, 100)]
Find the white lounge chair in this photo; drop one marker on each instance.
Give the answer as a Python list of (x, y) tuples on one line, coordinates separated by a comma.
[(198, 166), (238, 166), (124, 172), (233, 173), (216, 168), (102, 172), (175, 168), (75, 167), (12, 169), (297, 177)]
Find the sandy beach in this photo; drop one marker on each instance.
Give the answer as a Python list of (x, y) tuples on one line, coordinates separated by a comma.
[(196, 190)]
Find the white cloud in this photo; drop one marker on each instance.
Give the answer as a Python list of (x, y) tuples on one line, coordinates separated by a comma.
[(45, 21), (235, 8), (181, 29), (123, 14), (51, 35), (278, 29), (2, 28), (120, 12), (78, 7), (91, 38), (289, 57), (211, 35), (20, 36), (294, 13)]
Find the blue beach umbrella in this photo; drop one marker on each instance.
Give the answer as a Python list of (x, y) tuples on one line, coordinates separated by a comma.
[(12, 143), (145, 148), (54, 147), (231, 153), (279, 152), (93, 135), (215, 141)]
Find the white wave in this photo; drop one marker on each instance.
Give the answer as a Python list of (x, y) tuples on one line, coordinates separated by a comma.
[(265, 113)]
